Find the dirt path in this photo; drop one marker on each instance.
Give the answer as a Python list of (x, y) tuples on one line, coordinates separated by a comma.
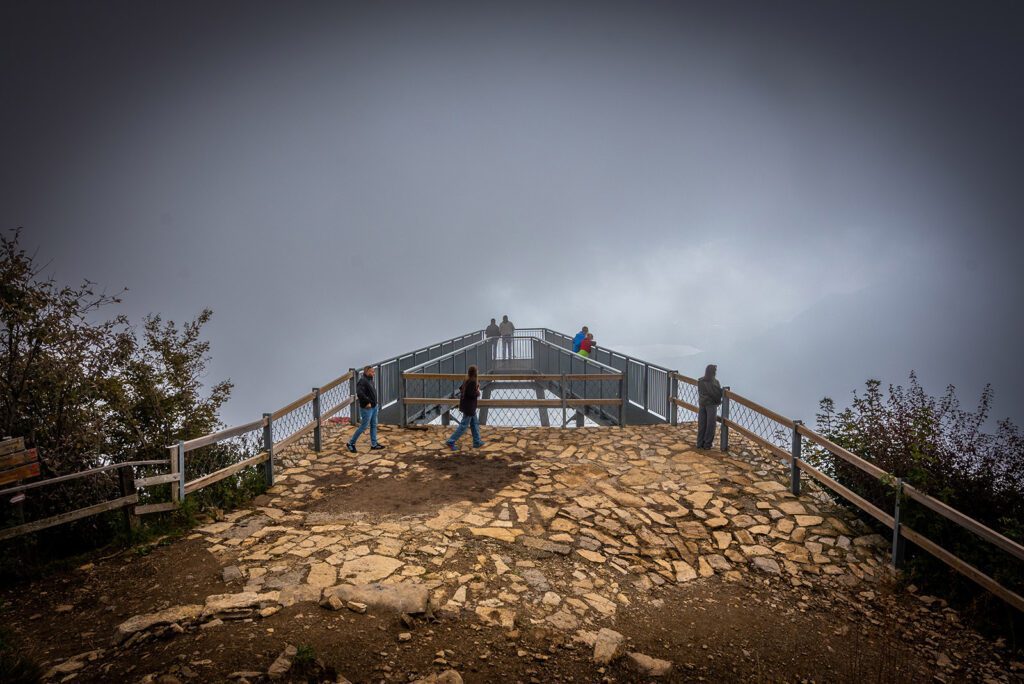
[(517, 559)]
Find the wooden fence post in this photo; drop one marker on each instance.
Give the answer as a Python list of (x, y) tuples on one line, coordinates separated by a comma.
[(172, 456), (794, 464), (673, 392), (898, 543), (316, 417), (181, 470), (353, 412), (126, 482), (724, 437), (268, 444)]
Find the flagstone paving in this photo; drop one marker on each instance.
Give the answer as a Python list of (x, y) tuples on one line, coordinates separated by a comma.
[(580, 523)]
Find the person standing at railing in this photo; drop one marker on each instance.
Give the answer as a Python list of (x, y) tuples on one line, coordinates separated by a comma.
[(366, 396), (469, 392), (587, 345), (578, 340), (709, 397), (491, 333), (507, 330)]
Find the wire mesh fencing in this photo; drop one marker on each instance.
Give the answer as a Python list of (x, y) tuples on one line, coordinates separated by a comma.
[(761, 425), (207, 460), (332, 400), (554, 415), (294, 421), (687, 392)]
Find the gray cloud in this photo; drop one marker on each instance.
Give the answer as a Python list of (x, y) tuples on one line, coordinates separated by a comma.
[(809, 195)]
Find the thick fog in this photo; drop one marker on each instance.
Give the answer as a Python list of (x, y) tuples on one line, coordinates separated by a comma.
[(809, 195)]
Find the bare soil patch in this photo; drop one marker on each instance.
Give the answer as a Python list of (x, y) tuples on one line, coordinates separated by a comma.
[(442, 479), (73, 611)]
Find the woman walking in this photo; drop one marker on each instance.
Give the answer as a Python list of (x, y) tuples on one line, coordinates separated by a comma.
[(468, 394)]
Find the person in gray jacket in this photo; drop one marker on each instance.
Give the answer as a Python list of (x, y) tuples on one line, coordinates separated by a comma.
[(709, 397), (507, 330)]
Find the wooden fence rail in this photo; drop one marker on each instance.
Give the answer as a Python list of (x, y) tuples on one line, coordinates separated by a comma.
[(900, 531), (175, 462)]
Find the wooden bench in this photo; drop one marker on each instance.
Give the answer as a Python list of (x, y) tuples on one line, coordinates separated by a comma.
[(16, 462)]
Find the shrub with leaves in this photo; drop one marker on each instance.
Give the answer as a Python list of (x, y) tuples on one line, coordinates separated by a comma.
[(945, 451), (86, 388)]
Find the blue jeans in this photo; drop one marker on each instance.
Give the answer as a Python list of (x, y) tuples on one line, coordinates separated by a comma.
[(467, 422), (367, 416)]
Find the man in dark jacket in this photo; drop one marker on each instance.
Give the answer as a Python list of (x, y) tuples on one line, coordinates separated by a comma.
[(491, 333), (709, 397), (366, 397)]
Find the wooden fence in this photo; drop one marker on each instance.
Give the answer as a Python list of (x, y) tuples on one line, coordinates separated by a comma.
[(340, 391), (900, 532), (307, 413)]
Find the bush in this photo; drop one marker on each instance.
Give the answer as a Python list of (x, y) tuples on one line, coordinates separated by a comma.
[(946, 452)]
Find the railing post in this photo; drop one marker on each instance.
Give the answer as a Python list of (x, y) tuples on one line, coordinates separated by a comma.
[(316, 417), (673, 392), (794, 464), (353, 412), (562, 391), (897, 537), (181, 470), (403, 415), (126, 481), (626, 384), (172, 458), (624, 399), (268, 444), (647, 373), (724, 438)]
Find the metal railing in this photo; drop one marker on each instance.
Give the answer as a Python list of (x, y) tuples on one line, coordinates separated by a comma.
[(648, 385), (787, 439), (388, 373), (597, 388), (553, 379)]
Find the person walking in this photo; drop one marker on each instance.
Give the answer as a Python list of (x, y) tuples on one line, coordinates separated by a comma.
[(366, 396), (578, 340), (587, 345), (469, 392), (506, 329), (709, 396), (492, 333)]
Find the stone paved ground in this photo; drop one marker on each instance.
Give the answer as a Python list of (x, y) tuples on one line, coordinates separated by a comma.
[(592, 520), (546, 531)]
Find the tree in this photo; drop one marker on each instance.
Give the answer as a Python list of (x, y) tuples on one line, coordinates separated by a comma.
[(86, 388)]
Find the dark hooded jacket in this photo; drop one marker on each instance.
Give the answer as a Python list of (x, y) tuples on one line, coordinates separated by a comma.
[(709, 392), (366, 392), (468, 394)]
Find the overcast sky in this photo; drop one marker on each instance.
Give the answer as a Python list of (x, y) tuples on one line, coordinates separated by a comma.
[(808, 194)]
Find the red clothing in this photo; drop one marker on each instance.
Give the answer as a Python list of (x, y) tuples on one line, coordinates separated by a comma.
[(587, 345)]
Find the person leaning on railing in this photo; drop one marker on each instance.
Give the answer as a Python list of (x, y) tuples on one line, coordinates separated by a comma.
[(587, 345), (578, 340), (709, 397), (366, 395), (507, 330), (491, 333)]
